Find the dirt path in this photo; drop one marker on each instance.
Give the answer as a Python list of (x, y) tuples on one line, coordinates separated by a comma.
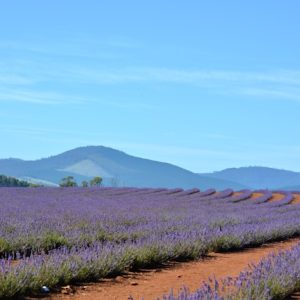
[(153, 283)]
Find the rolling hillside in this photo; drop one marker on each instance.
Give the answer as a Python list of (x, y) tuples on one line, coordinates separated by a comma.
[(260, 177), (116, 167)]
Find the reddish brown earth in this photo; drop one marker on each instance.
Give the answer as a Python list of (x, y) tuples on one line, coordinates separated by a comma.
[(255, 195), (236, 193), (276, 197), (296, 201), (151, 284)]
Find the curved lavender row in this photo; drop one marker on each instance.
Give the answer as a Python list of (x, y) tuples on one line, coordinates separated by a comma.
[(204, 193), (224, 194), (114, 191), (129, 191), (124, 191), (207, 194), (220, 195), (245, 194), (188, 192), (274, 277), (150, 191), (159, 192), (287, 199), (267, 195), (172, 191)]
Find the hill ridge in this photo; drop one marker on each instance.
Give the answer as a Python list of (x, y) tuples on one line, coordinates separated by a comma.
[(259, 177), (117, 166)]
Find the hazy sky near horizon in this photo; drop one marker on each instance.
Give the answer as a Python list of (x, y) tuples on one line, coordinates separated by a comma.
[(205, 85)]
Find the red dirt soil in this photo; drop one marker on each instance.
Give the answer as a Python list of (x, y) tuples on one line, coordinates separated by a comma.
[(276, 197), (256, 195), (151, 284), (296, 199)]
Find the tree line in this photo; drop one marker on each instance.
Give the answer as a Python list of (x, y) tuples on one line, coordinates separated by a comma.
[(7, 181), (70, 181)]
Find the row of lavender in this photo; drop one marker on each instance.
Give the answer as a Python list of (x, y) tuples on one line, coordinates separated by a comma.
[(101, 232), (275, 277)]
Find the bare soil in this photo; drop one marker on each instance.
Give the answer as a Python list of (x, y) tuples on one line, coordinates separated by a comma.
[(256, 195), (150, 284), (296, 200), (276, 197)]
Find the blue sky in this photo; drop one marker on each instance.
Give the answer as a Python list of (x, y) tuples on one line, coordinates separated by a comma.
[(205, 85)]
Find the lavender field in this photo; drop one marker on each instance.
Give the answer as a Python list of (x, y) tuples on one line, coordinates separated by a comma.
[(54, 236)]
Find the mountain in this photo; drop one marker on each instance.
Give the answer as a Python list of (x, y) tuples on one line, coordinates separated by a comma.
[(291, 188), (259, 177), (117, 168)]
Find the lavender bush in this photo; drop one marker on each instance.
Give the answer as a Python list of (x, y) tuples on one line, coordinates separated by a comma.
[(266, 196)]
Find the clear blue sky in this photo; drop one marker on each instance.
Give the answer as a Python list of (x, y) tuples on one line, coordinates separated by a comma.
[(202, 84)]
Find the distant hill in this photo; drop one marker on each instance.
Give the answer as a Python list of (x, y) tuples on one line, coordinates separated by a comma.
[(116, 167), (6, 181), (290, 188), (260, 177)]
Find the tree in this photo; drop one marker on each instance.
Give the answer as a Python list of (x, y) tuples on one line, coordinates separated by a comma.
[(6, 181), (96, 181), (68, 181), (84, 183)]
